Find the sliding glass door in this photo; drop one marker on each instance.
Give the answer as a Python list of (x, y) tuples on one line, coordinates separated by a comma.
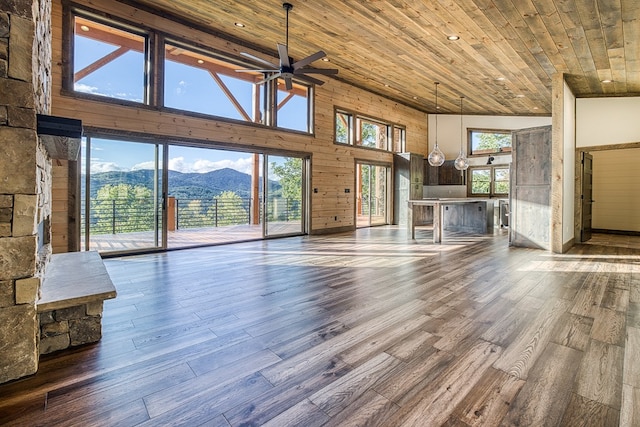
[(372, 182), (213, 196), (139, 196), (284, 195), (121, 196)]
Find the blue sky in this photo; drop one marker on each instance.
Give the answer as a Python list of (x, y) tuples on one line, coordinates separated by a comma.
[(187, 88), (112, 155)]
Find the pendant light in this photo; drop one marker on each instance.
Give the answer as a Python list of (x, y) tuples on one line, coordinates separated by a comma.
[(436, 157), (461, 163)]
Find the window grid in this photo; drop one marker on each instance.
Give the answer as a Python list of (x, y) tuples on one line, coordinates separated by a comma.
[(361, 131), (491, 181)]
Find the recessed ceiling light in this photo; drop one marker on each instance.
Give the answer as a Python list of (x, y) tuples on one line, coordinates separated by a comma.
[(453, 37), (415, 97), (386, 85), (200, 61), (239, 24), (326, 59), (84, 28), (607, 81), (520, 95), (500, 79), (535, 108)]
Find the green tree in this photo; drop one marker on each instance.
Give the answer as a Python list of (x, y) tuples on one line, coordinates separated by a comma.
[(229, 209), (290, 178), (194, 215), (123, 208), (493, 141)]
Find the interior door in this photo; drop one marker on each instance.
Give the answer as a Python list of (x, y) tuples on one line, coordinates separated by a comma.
[(284, 195), (587, 196)]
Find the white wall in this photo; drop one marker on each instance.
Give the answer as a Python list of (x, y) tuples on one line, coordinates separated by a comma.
[(449, 132), (569, 165), (616, 186), (606, 121)]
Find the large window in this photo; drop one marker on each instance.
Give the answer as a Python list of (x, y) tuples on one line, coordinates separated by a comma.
[(488, 181), (195, 81), (109, 61), (353, 129), (485, 142), (293, 107), (114, 60)]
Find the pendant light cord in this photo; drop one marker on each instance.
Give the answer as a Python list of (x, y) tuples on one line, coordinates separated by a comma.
[(461, 138), (436, 83)]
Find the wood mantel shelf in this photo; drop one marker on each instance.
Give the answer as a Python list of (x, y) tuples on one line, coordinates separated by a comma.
[(74, 278)]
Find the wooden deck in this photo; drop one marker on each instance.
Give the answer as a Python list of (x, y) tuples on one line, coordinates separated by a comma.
[(362, 328), (184, 238)]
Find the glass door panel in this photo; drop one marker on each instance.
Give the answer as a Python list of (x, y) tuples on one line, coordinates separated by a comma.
[(284, 195), (372, 196), (213, 196), (121, 196)]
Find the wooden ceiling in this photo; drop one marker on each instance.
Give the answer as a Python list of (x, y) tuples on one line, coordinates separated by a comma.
[(502, 64)]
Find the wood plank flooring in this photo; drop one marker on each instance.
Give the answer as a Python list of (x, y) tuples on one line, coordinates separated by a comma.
[(362, 328)]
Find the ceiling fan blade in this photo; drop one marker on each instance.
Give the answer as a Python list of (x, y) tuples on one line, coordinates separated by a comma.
[(255, 58), (309, 79), (284, 55), (309, 59), (256, 71), (326, 71), (267, 79), (288, 84)]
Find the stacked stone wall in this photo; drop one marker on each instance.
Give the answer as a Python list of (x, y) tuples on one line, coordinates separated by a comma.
[(70, 327), (25, 179)]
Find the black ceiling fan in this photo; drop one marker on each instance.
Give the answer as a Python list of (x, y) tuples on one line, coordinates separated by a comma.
[(288, 69)]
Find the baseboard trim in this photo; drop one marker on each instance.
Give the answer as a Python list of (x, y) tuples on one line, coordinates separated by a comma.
[(619, 232)]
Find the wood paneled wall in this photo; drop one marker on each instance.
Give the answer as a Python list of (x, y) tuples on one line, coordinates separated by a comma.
[(333, 166)]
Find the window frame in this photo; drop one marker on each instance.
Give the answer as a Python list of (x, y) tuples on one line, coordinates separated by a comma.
[(354, 125), (68, 54), (492, 180), (476, 153), (154, 82)]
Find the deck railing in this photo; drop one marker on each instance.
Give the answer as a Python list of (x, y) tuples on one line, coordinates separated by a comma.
[(114, 216)]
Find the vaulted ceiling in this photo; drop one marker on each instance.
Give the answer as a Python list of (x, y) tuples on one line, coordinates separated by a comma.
[(503, 62)]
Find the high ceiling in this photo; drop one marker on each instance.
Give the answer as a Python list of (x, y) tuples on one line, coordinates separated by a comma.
[(502, 64)]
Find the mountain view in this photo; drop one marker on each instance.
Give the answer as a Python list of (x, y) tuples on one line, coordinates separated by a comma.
[(185, 185)]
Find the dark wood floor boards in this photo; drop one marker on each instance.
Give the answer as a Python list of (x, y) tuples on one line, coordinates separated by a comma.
[(354, 329)]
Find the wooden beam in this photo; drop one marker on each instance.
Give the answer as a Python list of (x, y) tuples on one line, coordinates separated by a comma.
[(96, 65), (232, 98)]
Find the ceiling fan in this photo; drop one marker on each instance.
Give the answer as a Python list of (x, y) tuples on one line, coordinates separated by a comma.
[(288, 69)]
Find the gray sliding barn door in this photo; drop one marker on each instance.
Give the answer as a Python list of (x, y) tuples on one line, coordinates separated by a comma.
[(530, 191)]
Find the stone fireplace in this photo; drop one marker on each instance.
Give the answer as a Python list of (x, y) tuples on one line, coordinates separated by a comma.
[(25, 180)]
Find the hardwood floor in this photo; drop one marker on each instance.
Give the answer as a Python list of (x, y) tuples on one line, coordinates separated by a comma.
[(363, 328)]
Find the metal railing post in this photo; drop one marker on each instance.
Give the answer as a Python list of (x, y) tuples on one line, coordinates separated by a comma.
[(113, 216)]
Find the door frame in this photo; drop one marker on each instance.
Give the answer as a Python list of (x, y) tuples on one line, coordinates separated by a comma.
[(388, 191), (577, 225)]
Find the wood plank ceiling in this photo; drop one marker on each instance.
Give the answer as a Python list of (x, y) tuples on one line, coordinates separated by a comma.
[(503, 62)]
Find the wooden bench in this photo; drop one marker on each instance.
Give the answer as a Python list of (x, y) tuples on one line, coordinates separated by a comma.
[(72, 293)]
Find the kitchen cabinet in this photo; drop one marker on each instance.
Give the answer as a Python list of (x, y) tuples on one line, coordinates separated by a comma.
[(447, 174)]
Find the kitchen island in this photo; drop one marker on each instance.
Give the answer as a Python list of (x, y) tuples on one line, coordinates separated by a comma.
[(460, 215)]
